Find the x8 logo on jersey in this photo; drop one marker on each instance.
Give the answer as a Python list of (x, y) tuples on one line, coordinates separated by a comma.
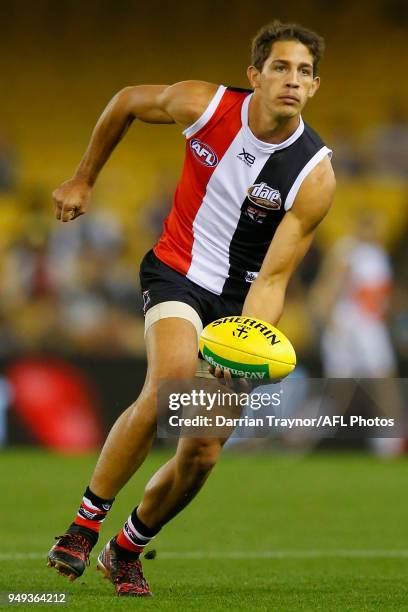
[(246, 157)]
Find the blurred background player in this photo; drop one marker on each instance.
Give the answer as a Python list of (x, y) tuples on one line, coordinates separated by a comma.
[(351, 299)]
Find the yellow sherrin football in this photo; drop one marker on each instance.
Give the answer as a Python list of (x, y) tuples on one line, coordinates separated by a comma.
[(250, 348)]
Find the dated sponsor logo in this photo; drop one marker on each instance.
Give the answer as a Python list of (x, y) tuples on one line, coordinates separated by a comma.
[(203, 153), (265, 196)]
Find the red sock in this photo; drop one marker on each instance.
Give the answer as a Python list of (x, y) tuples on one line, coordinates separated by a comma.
[(92, 511), (135, 535)]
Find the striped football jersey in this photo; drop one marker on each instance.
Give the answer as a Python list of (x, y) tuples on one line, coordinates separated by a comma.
[(233, 192)]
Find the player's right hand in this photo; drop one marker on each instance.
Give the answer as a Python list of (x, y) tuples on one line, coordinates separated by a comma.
[(240, 385), (71, 199)]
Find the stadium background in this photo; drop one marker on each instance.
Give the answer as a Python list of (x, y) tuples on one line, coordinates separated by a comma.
[(72, 290), (69, 294)]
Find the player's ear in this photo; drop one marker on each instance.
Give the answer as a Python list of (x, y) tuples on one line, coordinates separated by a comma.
[(253, 75), (315, 86)]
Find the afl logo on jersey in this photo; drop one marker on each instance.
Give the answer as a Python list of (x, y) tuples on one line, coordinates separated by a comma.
[(203, 153), (264, 196)]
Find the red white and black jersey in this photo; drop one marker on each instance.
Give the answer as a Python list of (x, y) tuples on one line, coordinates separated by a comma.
[(233, 193)]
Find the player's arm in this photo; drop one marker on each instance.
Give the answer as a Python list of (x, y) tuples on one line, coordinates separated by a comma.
[(292, 239), (330, 282), (181, 103)]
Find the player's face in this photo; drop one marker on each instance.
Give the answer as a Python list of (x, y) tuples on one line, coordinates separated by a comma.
[(286, 81)]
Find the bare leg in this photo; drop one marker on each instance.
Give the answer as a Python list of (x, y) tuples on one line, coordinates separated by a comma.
[(177, 482), (172, 353)]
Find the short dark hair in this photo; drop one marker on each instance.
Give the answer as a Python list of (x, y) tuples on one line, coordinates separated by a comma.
[(272, 32)]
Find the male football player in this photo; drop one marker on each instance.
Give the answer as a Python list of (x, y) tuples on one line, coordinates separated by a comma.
[(256, 183)]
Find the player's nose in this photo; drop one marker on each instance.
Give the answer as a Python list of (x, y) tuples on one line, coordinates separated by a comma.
[(293, 79)]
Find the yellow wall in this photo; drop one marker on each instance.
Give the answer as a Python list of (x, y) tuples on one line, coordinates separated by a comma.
[(62, 61)]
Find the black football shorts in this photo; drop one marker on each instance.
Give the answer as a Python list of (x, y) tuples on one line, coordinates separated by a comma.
[(160, 283)]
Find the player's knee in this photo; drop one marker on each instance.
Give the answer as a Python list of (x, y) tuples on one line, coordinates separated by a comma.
[(144, 408), (200, 458), (172, 371)]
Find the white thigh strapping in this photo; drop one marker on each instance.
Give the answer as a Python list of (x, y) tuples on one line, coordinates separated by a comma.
[(180, 310)]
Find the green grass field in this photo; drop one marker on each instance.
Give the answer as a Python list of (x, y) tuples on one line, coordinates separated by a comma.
[(268, 532)]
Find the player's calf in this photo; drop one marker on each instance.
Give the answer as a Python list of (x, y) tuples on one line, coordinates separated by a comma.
[(196, 457)]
